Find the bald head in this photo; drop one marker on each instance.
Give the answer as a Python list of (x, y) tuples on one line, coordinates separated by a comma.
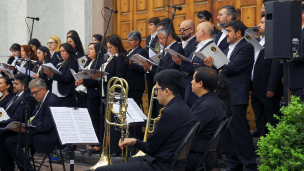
[(187, 29), (204, 31)]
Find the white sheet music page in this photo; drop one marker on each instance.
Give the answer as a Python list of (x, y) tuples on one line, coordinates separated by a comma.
[(23, 70), (48, 66), (74, 126)]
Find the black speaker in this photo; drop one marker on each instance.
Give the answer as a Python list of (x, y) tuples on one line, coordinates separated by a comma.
[(283, 21)]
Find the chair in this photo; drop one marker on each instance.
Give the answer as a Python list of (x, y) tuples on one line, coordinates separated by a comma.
[(183, 149), (45, 156), (213, 143)]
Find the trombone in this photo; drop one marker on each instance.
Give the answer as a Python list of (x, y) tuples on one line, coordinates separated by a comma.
[(122, 85), (149, 120)]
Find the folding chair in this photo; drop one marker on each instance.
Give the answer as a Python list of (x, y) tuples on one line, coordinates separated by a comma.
[(213, 144), (180, 155)]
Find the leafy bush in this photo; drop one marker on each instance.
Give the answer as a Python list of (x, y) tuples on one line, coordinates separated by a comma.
[(282, 148)]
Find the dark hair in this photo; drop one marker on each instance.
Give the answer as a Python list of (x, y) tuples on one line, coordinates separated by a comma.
[(237, 26), (224, 91), (115, 41), (47, 58), (204, 14), (33, 53), (171, 79), (98, 37), (21, 78), (96, 47), (73, 32), (70, 50), (171, 31), (231, 11), (78, 44), (8, 81), (263, 15), (16, 47), (35, 42), (154, 20), (208, 76)]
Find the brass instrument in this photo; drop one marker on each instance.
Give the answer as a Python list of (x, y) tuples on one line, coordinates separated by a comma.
[(118, 83), (149, 119)]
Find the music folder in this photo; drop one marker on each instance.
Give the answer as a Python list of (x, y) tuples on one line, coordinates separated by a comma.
[(137, 58), (50, 66), (257, 46), (74, 125), (253, 31), (3, 115), (172, 52), (81, 61), (219, 58)]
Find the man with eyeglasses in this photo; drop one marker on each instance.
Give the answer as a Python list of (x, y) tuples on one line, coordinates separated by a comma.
[(187, 30), (227, 14), (43, 137), (176, 120), (206, 16)]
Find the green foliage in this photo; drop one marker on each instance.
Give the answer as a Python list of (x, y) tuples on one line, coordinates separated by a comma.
[(283, 147)]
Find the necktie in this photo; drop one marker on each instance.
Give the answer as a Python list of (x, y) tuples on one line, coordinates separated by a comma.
[(32, 118)]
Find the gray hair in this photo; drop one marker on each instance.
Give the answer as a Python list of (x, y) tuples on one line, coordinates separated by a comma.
[(230, 11), (38, 83), (135, 35)]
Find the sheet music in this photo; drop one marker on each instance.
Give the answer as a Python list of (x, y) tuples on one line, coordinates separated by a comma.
[(3, 115), (50, 66), (137, 58), (81, 75), (23, 70), (219, 58), (257, 46), (172, 52), (74, 126), (151, 52), (81, 61), (253, 31)]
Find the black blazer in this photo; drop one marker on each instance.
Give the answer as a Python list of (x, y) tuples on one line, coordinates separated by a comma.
[(296, 69), (15, 110), (224, 44), (66, 82), (6, 99), (31, 66), (56, 58), (44, 135), (238, 71), (190, 47), (136, 73), (154, 41), (117, 67), (11, 59), (47, 80), (267, 76), (93, 86), (215, 30), (165, 139)]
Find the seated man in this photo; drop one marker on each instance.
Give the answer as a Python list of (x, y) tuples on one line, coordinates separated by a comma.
[(176, 120), (209, 111), (43, 136)]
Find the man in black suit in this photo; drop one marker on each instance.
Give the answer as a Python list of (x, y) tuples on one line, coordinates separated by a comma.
[(152, 39), (175, 122), (238, 141), (187, 29), (206, 16), (43, 137), (267, 86), (226, 15), (296, 67), (209, 111), (204, 37)]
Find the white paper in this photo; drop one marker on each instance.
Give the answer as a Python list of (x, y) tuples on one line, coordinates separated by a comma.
[(81, 75), (151, 52), (23, 70), (134, 113), (137, 58), (172, 52), (7, 71), (3, 115), (50, 66), (253, 31), (156, 58), (257, 46), (219, 58), (81, 61), (74, 126)]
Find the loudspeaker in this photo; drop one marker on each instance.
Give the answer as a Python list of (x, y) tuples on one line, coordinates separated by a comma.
[(283, 22)]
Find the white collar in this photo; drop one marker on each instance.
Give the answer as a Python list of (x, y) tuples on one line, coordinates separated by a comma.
[(45, 96), (234, 45), (20, 94), (190, 39), (224, 31), (302, 27), (202, 43)]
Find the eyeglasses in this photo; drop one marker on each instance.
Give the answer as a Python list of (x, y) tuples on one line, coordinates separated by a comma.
[(35, 92), (129, 41), (49, 43), (156, 90), (181, 30)]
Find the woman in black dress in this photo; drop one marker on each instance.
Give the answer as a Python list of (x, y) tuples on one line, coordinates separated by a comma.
[(6, 89)]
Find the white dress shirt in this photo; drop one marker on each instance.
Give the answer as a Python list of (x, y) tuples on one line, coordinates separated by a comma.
[(222, 37), (262, 42), (231, 48)]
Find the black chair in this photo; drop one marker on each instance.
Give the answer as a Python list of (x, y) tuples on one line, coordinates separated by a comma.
[(213, 144), (32, 150), (180, 155)]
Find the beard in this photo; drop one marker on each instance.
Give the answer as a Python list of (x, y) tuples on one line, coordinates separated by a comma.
[(186, 37), (220, 25)]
